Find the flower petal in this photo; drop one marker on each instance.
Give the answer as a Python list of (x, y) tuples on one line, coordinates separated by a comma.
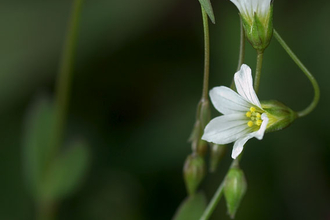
[(239, 144), (260, 133), (226, 129), (238, 5), (263, 7), (249, 7), (243, 82), (227, 101)]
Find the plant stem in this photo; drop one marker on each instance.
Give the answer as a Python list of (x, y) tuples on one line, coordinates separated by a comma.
[(46, 209), (241, 47), (63, 83), (241, 55), (260, 57), (217, 196), (311, 78), (206, 55)]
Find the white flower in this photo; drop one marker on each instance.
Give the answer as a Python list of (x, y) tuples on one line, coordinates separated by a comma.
[(257, 20), (247, 8), (243, 117)]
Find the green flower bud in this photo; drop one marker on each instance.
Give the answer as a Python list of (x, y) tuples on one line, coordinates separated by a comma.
[(217, 153), (279, 115), (201, 147), (234, 189), (258, 24), (198, 145), (203, 117), (193, 172), (205, 113)]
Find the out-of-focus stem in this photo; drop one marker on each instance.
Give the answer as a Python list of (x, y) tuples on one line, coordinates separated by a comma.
[(241, 55)]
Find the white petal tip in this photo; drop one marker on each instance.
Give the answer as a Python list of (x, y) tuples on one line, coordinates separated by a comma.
[(236, 152)]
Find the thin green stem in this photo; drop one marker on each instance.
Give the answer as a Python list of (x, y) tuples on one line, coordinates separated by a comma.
[(241, 47), (260, 57), (213, 203), (217, 196), (46, 209), (63, 83), (206, 55), (241, 56), (311, 78)]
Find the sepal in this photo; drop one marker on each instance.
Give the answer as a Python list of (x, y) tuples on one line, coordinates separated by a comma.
[(234, 189), (258, 30), (193, 172), (280, 116)]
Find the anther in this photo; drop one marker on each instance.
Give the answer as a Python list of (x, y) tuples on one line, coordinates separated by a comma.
[(258, 122), (252, 109), (250, 124), (248, 114)]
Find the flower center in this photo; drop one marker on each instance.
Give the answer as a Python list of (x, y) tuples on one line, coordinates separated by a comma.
[(255, 117)]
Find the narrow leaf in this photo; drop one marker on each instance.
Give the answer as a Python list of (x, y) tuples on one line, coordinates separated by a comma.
[(206, 4)]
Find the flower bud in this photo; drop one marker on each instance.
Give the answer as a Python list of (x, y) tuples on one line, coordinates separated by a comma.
[(279, 115), (234, 189), (201, 147), (257, 21), (198, 145), (217, 153), (193, 172), (205, 113)]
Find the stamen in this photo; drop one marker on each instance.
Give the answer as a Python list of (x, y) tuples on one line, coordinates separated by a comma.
[(258, 115), (252, 109), (250, 124), (248, 114), (258, 122)]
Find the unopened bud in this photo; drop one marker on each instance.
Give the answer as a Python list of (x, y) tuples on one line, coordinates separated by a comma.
[(234, 190), (205, 113), (193, 172), (195, 135), (279, 115), (216, 154), (258, 25), (198, 145), (201, 147)]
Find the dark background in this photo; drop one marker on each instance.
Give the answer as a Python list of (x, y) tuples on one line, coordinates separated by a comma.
[(138, 78)]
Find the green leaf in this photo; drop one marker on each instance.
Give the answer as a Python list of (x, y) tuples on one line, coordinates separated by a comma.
[(36, 148), (206, 4), (66, 172), (192, 208)]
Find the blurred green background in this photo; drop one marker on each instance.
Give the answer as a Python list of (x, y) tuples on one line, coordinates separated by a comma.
[(137, 81)]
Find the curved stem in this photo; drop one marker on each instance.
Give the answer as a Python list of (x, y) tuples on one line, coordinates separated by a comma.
[(217, 196), (206, 55), (258, 71), (311, 78), (241, 55)]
